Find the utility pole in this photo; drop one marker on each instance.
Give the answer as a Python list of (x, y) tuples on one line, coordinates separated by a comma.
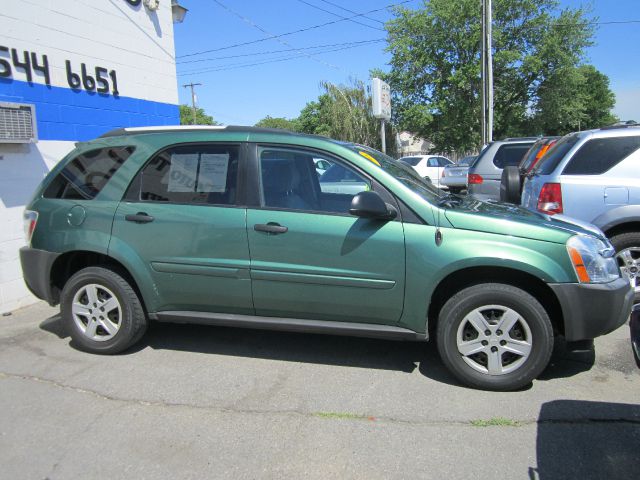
[(193, 98), (487, 73), (383, 136)]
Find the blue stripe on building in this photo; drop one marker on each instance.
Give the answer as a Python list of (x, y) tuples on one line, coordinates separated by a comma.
[(78, 115)]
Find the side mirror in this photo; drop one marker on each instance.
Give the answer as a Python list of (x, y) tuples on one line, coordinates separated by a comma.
[(370, 205)]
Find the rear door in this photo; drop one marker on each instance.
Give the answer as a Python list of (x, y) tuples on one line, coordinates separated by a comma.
[(310, 258), (183, 223)]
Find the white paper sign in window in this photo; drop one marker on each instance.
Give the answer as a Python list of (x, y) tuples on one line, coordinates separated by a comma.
[(213, 172), (183, 172)]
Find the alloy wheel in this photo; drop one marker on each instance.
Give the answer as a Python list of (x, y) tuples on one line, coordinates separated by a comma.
[(97, 312), (494, 339), (629, 262)]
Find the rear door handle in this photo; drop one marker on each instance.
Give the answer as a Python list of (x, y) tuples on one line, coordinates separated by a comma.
[(140, 217), (272, 228)]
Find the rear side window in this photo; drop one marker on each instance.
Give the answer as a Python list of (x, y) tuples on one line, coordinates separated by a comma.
[(413, 161), (555, 154), (601, 154), (510, 154), (192, 174), (87, 174)]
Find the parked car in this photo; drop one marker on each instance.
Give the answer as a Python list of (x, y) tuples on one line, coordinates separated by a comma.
[(231, 226), (485, 174), (512, 178), (634, 327), (454, 176), (594, 176), (428, 167)]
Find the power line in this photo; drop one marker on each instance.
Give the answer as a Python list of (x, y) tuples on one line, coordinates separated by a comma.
[(279, 40), (313, 47), (580, 24), (339, 16), (235, 66), (350, 11), (313, 27)]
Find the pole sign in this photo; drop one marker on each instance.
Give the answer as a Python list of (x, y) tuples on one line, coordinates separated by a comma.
[(381, 99)]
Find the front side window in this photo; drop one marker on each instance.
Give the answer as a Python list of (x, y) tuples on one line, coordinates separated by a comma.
[(289, 181), (87, 174), (192, 174), (599, 155), (433, 162), (443, 162)]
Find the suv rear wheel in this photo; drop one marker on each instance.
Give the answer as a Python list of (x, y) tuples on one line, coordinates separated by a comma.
[(494, 337), (627, 247), (101, 311)]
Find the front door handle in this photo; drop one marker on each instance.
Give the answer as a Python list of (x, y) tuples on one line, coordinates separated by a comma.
[(271, 227), (140, 217)]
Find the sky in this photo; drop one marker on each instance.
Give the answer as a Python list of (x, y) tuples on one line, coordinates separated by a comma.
[(246, 76)]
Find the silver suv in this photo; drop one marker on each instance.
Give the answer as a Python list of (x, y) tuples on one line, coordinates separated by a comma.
[(594, 176), (485, 174)]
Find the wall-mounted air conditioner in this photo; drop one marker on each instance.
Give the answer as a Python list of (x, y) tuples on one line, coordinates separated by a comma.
[(18, 123)]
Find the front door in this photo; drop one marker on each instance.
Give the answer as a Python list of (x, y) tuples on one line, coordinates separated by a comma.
[(309, 257), (180, 222)]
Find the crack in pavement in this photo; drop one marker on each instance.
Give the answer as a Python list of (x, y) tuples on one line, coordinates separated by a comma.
[(315, 415)]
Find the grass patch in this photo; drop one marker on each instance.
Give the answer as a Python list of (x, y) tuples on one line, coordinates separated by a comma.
[(495, 422), (340, 415)]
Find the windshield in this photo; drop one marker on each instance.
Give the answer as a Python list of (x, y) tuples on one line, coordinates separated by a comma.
[(401, 172), (531, 155), (555, 154), (466, 161), (413, 161)]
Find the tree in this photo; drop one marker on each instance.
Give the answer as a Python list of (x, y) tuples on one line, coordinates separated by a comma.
[(186, 116), (344, 113), (277, 122), (435, 65), (576, 98)]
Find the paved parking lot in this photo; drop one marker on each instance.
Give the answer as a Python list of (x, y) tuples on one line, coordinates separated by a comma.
[(207, 402)]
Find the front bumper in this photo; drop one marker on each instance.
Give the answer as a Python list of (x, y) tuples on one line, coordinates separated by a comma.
[(593, 309), (36, 268)]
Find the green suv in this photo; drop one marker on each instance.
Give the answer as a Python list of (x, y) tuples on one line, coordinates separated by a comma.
[(234, 226)]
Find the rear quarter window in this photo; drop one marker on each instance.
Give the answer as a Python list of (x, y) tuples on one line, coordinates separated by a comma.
[(599, 155), (510, 154), (85, 176)]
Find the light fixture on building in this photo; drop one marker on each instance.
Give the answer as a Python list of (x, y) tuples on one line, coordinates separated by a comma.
[(178, 12)]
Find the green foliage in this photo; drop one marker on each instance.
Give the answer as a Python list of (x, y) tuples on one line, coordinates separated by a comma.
[(575, 98), (344, 113), (277, 122), (495, 422), (186, 116), (435, 68)]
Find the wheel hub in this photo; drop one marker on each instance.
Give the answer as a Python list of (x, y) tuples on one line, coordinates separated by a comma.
[(494, 340), (629, 262), (96, 312)]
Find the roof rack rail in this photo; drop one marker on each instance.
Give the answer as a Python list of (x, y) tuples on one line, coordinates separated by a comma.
[(514, 139), (623, 124)]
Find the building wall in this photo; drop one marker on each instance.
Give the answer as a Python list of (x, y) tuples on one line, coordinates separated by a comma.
[(45, 45)]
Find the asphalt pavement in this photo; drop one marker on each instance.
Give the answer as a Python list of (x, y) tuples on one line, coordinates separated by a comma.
[(199, 402)]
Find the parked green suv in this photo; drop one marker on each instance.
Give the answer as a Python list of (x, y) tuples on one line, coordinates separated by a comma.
[(232, 226)]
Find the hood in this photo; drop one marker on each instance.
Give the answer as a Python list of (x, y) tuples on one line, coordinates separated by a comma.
[(507, 219)]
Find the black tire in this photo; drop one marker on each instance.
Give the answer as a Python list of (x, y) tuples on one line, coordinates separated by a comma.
[(455, 190), (131, 319), (510, 185), (525, 369), (624, 241)]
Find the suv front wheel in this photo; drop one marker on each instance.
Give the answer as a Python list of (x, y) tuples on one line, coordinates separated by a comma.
[(494, 337), (627, 247), (101, 311)]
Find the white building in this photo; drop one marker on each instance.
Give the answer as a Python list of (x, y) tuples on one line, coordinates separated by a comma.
[(79, 68)]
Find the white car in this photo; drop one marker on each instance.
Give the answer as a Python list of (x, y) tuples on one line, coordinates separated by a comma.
[(322, 165), (428, 166)]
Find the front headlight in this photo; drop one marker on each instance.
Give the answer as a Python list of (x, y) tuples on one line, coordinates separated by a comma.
[(592, 259)]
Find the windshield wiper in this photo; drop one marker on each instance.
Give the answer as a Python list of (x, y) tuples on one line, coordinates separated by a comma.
[(450, 200)]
